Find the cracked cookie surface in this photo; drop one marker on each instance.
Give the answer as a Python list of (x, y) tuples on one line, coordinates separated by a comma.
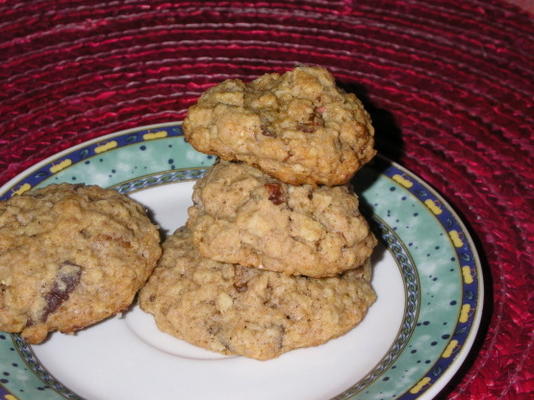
[(298, 126), (70, 256), (243, 216), (232, 309)]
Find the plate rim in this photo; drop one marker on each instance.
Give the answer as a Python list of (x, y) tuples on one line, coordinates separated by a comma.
[(39, 164), (474, 328), (467, 346)]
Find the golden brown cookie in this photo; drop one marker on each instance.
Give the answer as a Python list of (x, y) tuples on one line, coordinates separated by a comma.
[(298, 127), (70, 256), (243, 216), (232, 309)]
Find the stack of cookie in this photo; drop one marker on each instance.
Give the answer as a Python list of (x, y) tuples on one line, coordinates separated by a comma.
[(275, 254)]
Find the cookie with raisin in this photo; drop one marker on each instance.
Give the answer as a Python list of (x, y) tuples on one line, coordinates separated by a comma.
[(233, 309), (298, 127), (243, 216), (70, 256)]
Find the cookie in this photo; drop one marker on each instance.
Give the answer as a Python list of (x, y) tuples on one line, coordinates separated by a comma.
[(70, 256), (298, 127), (232, 309), (242, 216)]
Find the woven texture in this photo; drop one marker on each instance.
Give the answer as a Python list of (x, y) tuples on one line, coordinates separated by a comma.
[(449, 84)]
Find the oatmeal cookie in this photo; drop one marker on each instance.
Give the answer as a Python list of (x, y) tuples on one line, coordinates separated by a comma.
[(70, 256), (242, 216), (297, 127), (232, 309)]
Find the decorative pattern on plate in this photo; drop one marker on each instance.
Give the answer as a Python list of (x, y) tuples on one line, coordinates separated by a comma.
[(26, 354), (434, 252), (107, 160), (160, 179), (412, 297), (466, 263), (449, 275)]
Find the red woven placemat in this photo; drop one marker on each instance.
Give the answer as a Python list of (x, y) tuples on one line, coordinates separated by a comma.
[(449, 83)]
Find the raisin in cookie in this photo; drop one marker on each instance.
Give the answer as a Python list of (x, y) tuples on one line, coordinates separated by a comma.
[(71, 255), (232, 309), (243, 216), (298, 127)]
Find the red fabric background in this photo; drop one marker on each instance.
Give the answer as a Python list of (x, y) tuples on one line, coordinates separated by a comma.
[(449, 83)]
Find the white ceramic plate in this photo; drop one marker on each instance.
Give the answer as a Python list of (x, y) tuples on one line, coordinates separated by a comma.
[(415, 337)]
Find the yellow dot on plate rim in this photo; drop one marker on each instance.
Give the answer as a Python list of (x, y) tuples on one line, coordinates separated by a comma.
[(24, 188), (62, 165), (402, 180), (468, 276), (155, 135), (431, 205), (464, 313), (419, 385), (105, 147), (450, 348), (455, 238)]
